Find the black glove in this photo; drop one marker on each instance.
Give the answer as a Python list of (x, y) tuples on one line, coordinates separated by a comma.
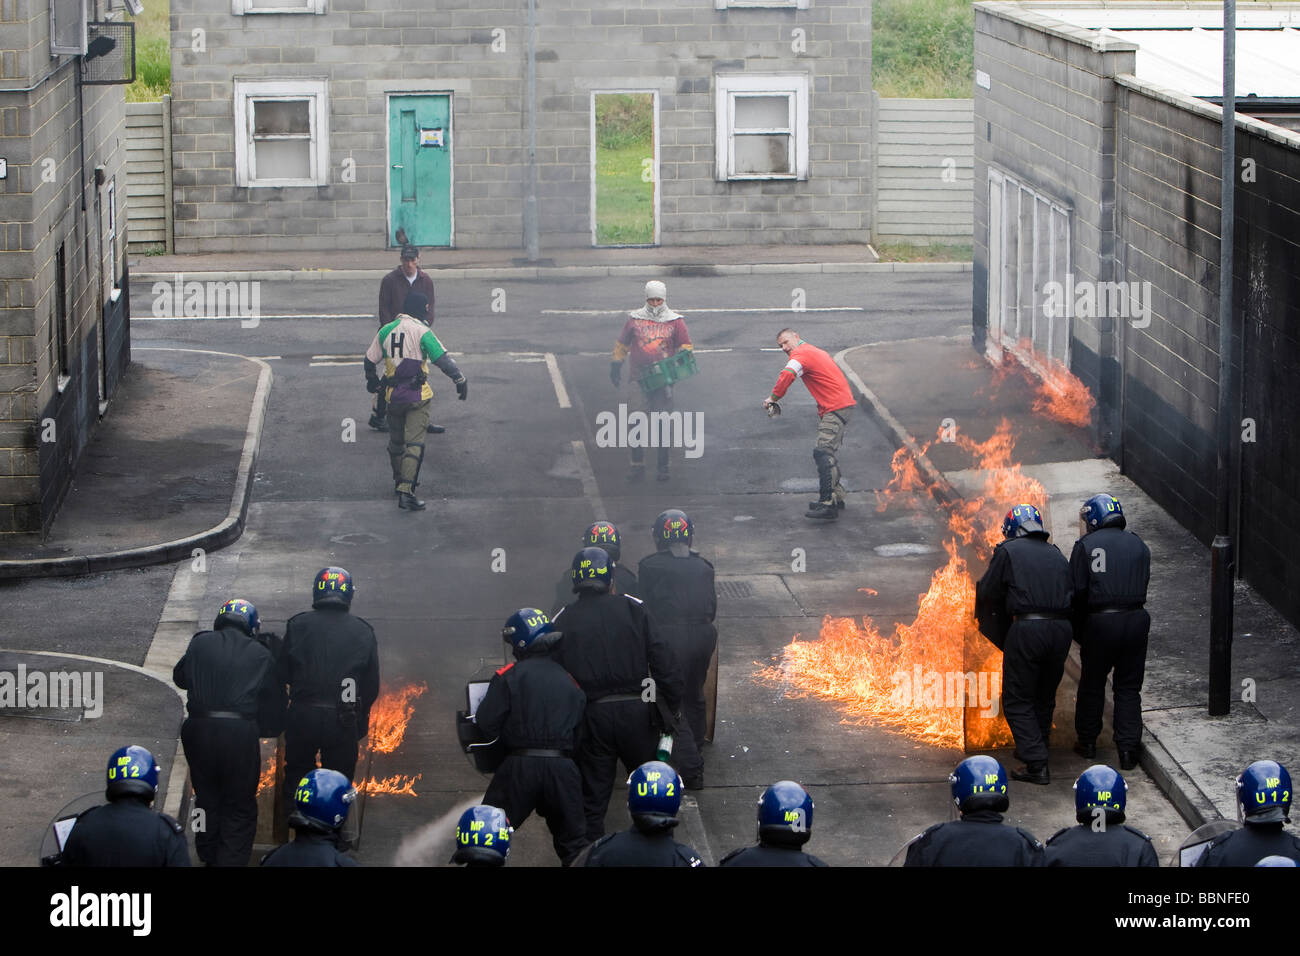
[(616, 373), (373, 385), (462, 387)]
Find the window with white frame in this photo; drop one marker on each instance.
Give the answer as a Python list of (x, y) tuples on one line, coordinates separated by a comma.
[(281, 133), (762, 126), (241, 7)]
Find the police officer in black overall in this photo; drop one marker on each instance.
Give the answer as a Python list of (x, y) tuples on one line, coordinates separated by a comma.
[(1110, 568), (603, 535), (654, 795), (321, 803), (1102, 838), (125, 831), (330, 660), (234, 699), (979, 838), (1263, 807), (1023, 606), (627, 673), (534, 707), (678, 589)]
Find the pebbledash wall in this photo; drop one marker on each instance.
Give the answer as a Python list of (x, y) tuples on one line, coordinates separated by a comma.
[(364, 50), (1137, 168), (64, 338)]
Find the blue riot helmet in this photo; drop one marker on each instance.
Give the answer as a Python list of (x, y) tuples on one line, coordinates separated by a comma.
[(1277, 861), (482, 837), (590, 570), (1023, 520), (1100, 787), (785, 814), (333, 587), (602, 534), (530, 631), (1101, 511), (654, 794), (240, 614), (1264, 793), (673, 531), (132, 772), (979, 783), (321, 801)]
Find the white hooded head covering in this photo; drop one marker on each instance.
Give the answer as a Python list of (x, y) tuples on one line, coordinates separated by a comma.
[(654, 289)]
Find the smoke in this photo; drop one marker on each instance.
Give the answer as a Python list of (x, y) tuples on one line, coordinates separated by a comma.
[(434, 843)]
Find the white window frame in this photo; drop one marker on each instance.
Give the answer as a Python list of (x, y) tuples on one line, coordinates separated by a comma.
[(793, 4), (249, 91), (242, 8), (75, 14), (731, 85)]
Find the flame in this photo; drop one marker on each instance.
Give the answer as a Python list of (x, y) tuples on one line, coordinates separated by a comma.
[(399, 783), (909, 681), (267, 780), (390, 715)]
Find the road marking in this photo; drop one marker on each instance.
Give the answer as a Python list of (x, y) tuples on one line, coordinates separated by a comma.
[(561, 393), (331, 364), (735, 311), (589, 487), (268, 358)]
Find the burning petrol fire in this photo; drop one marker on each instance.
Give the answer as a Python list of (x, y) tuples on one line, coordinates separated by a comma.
[(389, 716), (937, 679)]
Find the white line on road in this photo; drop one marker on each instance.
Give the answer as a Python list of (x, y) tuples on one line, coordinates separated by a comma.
[(219, 318), (561, 393), (589, 487), (268, 358), (331, 364), (827, 308)]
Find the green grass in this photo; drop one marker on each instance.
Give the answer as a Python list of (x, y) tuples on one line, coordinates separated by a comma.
[(624, 140), (929, 252), (153, 65), (923, 48)]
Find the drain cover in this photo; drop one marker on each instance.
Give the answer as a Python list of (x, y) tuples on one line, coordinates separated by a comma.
[(734, 589)]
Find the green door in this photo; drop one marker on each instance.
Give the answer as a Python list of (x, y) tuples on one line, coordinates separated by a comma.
[(419, 169)]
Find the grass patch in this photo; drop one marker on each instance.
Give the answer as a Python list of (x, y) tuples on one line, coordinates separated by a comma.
[(153, 63), (929, 252), (923, 48), (624, 140)]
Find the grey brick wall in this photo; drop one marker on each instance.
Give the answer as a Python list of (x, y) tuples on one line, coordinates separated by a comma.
[(367, 47), (1169, 200), (1048, 119), (41, 205), (1141, 167)]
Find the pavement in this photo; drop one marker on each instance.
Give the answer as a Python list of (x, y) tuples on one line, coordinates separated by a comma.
[(169, 473)]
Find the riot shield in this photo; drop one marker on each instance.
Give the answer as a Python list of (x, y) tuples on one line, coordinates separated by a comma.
[(56, 834), (711, 696), (1199, 840), (900, 858)]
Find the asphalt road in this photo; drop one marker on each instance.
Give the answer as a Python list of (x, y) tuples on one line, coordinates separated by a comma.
[(516, 478)]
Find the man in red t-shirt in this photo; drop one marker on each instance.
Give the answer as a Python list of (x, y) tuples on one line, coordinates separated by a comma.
[(650, 334), (835, 402)]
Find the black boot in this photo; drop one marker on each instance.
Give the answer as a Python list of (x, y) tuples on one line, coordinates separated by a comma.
[(1086, 751), (409, 502), (1033, 773), (1128, 759), (822, 510)]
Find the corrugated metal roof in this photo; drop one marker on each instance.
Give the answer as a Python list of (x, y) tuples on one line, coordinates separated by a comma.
[(1182, 49)]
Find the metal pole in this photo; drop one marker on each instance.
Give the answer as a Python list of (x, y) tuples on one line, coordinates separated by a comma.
[(1221, 551), (530, 191)]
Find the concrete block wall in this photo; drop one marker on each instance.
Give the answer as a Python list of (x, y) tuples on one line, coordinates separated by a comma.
[(365, 48), (44, 429), (1047, 119)]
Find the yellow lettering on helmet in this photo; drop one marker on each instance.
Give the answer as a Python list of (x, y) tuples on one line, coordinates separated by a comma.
[(1272, 781), (990, 778), (1103, 794)]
